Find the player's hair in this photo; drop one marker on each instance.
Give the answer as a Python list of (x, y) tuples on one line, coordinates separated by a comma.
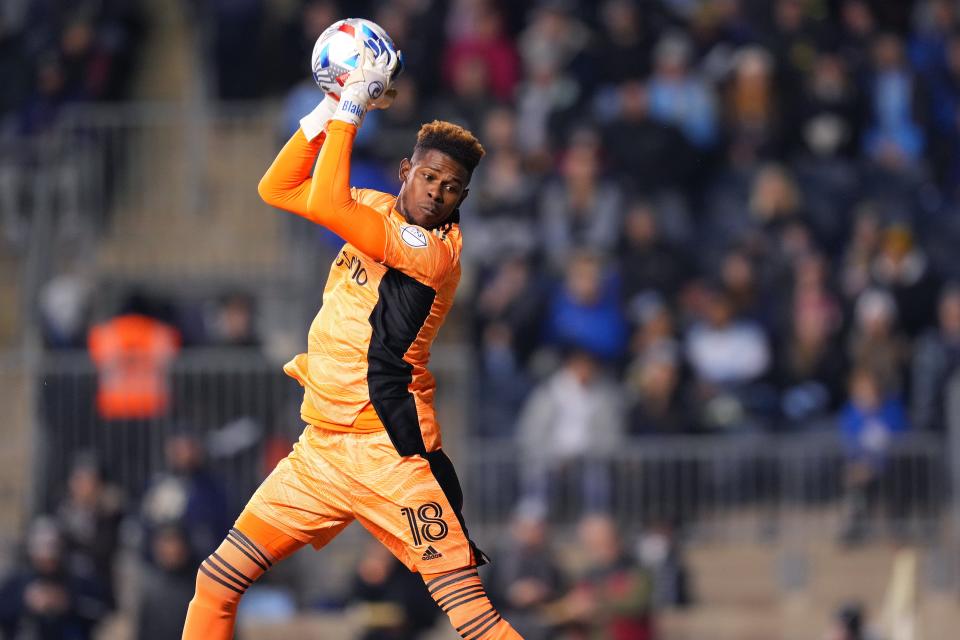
[(453, 140)]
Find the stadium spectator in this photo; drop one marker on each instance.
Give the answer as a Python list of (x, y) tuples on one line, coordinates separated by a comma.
[(585, 312), (849, 624), (936, 357), (728, 356), (568, 428), (945, 119), (649, 262), (934, 22), (793, 39), (902, 268), (580, 210), (750, 107), (829, 114), (487, 45), (678, 96), (390, 601), (860, 251), (724, 349), (612, 597), (507, 323), (621, 52), (660, 553), (166, 586), (646, 154), (132, 352), (810, 365), (546, 103), (526, 575), (64, 309), (187, 495), (655, 402), (894, 137), (231, 322), (89, 518), (44, 599), (874, 342), (869, 423), (499, 215), (554, 36)]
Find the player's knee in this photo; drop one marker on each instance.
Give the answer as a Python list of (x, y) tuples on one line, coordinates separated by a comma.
[(220, 584)]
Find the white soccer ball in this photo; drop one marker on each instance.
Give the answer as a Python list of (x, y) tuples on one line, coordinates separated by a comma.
[(337, 52)]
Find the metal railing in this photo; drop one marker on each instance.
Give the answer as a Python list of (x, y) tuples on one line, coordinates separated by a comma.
[(727, 486), (714, 486)]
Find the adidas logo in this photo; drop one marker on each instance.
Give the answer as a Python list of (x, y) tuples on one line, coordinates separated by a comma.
[(431, 554)]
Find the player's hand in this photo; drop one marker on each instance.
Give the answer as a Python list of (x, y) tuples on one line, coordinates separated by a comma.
[(369, 86)]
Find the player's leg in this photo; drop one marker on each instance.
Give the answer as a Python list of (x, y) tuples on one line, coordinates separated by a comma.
[(460, 595), (304, 500), (251, 547), (412, 505)]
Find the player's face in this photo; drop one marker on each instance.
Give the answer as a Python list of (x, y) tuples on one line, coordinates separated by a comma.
[(434, 185)]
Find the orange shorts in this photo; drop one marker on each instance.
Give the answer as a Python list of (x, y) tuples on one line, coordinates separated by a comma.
[(411, 504)]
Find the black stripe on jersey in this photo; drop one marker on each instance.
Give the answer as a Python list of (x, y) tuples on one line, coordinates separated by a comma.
[(442, 469), (402, 309)]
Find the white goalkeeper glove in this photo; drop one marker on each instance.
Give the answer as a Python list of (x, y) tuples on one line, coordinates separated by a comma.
[(369, 86), (316, 121)]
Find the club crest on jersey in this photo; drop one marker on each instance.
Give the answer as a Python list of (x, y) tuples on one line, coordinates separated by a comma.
[(414, 237)]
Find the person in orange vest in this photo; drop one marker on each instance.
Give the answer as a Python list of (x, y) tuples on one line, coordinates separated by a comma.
[(132, 352)]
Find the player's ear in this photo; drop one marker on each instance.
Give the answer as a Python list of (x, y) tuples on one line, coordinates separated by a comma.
[(463, 196), (405, 166)]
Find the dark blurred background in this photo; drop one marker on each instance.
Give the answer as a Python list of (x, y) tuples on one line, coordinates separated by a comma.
[(700, 380)]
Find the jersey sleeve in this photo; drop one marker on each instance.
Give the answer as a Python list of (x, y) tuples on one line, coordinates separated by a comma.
[(424, 255), (286, 184), (332, 203)]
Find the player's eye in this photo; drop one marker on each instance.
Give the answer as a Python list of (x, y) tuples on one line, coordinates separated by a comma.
[(428, 177)]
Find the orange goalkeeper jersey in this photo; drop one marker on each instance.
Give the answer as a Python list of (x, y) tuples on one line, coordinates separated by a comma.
[(367, 351)]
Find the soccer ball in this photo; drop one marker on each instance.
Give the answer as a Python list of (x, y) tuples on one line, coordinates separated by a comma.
[(337, 51)]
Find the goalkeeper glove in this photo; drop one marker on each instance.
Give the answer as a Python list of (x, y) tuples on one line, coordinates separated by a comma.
[(369, 85)]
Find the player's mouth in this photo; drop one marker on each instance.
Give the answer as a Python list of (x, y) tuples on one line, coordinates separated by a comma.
[(432, 211)]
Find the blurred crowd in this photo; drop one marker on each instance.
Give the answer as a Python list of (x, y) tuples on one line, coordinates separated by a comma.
[(54, 53), (96, 554), (718, 216), (694, 217)]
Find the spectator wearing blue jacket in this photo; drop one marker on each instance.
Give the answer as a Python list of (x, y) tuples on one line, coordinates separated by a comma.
[(869, 423), (585, 311)]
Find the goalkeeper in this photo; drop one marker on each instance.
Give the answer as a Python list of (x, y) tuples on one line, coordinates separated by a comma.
[(371, 450)]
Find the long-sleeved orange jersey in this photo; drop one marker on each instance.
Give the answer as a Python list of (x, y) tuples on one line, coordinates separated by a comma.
[(388, 291)]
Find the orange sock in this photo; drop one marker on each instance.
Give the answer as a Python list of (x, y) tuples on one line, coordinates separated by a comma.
[(226, 574), (461, 596)]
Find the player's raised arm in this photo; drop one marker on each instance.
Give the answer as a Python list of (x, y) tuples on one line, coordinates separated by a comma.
[(330, 201), (286, 184)]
